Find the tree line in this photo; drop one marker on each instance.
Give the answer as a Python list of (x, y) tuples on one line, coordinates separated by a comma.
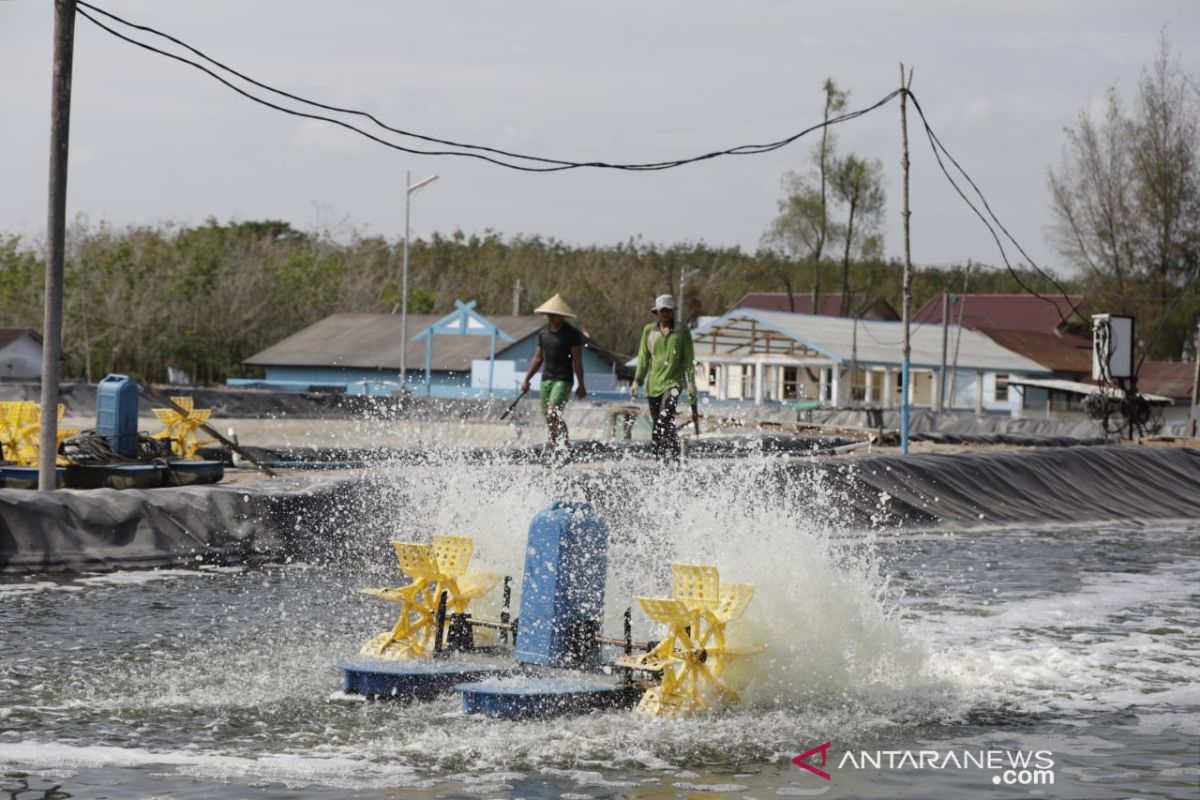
[(202, 299)]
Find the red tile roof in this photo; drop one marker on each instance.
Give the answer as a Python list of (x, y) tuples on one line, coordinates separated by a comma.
[(1011, 312), (1048, 349), (1169, 378), (9, 335)]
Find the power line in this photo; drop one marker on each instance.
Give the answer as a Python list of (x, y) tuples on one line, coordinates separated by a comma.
[(546, 164), (938, 149)]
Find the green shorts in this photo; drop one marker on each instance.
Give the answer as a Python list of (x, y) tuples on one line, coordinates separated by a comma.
[(554, 394)]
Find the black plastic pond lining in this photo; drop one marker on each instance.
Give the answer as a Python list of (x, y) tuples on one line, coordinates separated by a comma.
[(290, 516)]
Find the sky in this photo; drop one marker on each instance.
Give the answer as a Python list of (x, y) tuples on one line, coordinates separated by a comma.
[(156, 142)]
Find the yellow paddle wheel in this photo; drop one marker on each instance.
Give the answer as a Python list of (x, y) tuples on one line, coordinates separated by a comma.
[(434, 569), (693, 655), (20, 431), (181, 430)]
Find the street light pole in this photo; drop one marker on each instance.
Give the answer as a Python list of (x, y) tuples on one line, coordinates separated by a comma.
[(410, 189)]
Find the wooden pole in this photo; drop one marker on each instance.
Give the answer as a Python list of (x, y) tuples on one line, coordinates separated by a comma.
[(906, 312), (1196, 381), (938, 401), (60, 126)]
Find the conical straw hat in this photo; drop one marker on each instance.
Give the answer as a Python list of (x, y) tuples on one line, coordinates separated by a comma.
[(555, 305)]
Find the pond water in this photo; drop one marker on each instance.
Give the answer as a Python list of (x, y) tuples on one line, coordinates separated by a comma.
[(1076, 648)]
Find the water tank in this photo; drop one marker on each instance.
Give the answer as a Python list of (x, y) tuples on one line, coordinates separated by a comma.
[(117, 413), (562, 591)]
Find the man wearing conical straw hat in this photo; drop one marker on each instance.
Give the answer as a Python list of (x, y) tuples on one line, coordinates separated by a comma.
[(560, 355)]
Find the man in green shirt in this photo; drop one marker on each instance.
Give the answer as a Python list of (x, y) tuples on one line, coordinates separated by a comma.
[(666, 362)]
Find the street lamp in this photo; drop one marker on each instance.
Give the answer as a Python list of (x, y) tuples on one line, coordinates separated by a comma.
[(412, 188)]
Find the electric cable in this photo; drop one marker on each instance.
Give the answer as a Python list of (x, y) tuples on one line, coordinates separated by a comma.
[(936, 145), (550, 164)]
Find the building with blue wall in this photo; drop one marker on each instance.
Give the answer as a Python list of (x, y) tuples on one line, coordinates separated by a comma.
[(360, 354)]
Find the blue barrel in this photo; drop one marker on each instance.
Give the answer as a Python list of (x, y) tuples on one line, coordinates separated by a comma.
[(562, 591), (117, 413)]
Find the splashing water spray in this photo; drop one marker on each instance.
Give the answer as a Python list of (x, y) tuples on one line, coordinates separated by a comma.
[(820, 625)]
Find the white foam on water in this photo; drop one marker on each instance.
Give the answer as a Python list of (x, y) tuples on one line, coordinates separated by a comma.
[(291, 770), (1098, 647), (115, 578), (15, 589), (132, 578)]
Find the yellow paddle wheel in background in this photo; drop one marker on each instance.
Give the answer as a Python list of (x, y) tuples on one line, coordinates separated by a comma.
[(181, 429), (20, 429)]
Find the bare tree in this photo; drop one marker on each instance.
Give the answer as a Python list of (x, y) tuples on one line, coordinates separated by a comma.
[(857, 185), (801, 229), (1092, 197), (1165, 135), (1126, 197)]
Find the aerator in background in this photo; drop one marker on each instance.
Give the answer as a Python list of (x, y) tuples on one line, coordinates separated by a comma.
[(113, 455)]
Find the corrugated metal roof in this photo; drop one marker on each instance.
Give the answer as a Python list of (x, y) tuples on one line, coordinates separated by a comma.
[(877, 307), (372, 341), (1081, 388), (874, 341)]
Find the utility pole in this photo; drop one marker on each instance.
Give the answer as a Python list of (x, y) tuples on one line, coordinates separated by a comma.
[(962, 309), (517, 298), (941, 392), (1196, 380), (854, 361), (60, 127), (905, 377)]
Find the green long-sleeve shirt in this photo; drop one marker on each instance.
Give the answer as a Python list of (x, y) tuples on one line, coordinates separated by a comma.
[(668, 360)]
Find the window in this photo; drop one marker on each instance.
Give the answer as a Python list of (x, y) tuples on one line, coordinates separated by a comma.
[(1002, 387), (791, 383)]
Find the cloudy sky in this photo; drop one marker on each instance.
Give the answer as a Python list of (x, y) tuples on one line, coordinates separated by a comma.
[(156, 141)]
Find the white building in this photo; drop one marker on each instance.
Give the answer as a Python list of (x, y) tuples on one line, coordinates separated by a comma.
[(841, 362), (20, 354)]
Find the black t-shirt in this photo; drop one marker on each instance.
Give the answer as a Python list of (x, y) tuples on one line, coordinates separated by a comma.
[(556, 351)]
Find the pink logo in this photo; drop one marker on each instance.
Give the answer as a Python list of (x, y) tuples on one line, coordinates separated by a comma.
[(802, 760)]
